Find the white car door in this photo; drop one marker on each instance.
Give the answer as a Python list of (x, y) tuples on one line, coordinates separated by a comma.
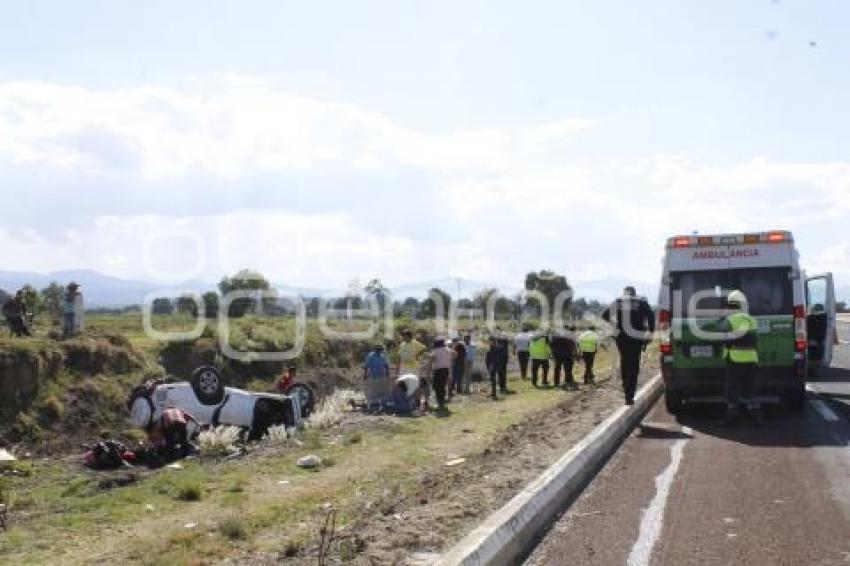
[(820, 290)]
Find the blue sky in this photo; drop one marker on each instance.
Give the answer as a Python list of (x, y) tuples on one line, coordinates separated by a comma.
[(416, 140)]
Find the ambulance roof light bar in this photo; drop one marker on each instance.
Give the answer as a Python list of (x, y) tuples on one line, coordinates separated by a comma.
[(772, 237)]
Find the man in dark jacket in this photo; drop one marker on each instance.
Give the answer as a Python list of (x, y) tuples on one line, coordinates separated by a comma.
[(564, 352), (634, 323), (15, 311)]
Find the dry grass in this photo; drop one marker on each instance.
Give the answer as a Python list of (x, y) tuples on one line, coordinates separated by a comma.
[(218, 441), (331, 409)]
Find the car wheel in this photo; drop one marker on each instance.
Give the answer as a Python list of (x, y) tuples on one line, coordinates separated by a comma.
[(673, 401), (305, 395), (208, 385)]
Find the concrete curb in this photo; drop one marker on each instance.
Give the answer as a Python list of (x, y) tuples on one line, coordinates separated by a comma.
[(507, 535)]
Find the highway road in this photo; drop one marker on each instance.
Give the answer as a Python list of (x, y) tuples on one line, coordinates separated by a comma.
[(691, 490)]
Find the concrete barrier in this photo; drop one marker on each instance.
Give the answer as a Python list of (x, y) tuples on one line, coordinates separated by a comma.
[(507, 535)]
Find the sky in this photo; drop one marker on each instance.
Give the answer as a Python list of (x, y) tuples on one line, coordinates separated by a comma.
[(322, 142)]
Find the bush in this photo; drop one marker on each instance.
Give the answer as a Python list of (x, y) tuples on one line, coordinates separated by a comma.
[(190, 492), (233, 529), (51, 409)]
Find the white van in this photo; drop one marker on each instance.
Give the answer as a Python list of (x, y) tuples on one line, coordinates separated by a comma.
[(796, 315)]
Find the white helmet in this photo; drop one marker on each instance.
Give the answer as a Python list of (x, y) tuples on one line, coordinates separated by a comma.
[(141, 413), (737, 298)]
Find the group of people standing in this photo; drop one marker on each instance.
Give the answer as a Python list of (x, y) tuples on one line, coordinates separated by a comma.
[(450, 363), (19, 315), (563, 347)]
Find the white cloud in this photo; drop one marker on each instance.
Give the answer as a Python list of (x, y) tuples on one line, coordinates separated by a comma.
[(488, 204)]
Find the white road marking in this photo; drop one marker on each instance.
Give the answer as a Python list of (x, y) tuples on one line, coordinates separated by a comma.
[(824, 410), (653, 517)]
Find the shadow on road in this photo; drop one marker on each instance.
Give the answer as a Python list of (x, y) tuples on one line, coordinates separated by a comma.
[(781, 428), (831, 375)]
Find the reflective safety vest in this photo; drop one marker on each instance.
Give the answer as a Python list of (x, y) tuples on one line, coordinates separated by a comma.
[(588, 341), (539, 349), (741, 348)]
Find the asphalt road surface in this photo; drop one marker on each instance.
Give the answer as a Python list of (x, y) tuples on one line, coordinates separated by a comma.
[(694, 491)]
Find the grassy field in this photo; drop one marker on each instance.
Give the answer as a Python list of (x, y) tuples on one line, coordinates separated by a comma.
[(260, 502)]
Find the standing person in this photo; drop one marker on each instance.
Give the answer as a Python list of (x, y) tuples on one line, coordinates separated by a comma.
[(540, 354), (410, 354), (741, 354), (458, 367), (440, 362), (521, 345), (503, 348), (564, 352), (634, 323), (15, 311), (469, 365), (376, 377), (588, 343), (492, 363), (73, 310)]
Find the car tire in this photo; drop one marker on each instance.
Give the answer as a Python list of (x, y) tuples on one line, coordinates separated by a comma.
[(797, 398), (673, 401), (208, 385), (306, 397)]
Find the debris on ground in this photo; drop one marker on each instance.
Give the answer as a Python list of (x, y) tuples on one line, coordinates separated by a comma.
[(6, 456), (455, 462), (310, 462)]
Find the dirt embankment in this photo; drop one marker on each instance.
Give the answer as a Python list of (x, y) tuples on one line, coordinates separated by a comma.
[(50, 393)]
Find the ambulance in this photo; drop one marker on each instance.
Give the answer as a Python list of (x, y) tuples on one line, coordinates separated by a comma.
[(796, 316)]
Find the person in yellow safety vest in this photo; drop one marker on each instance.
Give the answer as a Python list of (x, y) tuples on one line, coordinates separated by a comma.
[(588, 343), (540, 352), (740, 350)]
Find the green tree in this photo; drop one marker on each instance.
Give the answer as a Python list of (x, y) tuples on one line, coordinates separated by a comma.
[(186, 305), (210, 299), (162, 305), (52, 298), (244, 280), (31, 298), (376, 291), (551, 285), (437, 300), (503, 306)]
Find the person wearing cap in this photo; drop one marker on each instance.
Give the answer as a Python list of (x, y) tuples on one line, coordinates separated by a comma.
[(588, 343), (73, 311), (740, 351), (634, 323), (540, 353)]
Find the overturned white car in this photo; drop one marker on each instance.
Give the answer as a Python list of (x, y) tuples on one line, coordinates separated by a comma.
[(206, 398)]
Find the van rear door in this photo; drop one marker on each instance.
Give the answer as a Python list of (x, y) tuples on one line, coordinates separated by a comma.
[(820, 318)]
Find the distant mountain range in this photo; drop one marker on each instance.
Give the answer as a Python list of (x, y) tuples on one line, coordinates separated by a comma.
[(102, 290)]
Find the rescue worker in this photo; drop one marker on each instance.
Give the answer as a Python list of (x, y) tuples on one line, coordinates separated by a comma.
[(588, 343), (440, 362), (15, 311), (634, 323), (521, 344), (564, 353), (171, 434), (740, 351), (540, 353)]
